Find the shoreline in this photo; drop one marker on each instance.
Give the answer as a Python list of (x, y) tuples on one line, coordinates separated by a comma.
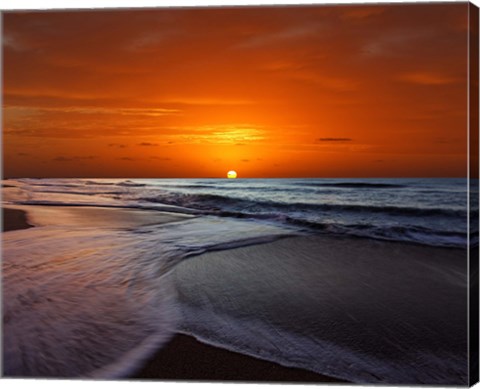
[(344, 307), (185, 358), (362, 310)]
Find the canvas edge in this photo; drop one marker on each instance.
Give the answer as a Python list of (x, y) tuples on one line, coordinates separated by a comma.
[(473, 186)]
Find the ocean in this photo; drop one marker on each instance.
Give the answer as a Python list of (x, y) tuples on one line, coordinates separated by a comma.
[(424, 211), (96, 302)]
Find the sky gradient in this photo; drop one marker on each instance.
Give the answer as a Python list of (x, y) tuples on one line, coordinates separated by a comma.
[(322, 91)]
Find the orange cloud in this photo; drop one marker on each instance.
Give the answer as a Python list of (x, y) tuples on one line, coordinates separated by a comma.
[(425, 78)]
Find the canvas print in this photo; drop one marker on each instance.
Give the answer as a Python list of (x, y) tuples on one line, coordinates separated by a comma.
[(257, 194)]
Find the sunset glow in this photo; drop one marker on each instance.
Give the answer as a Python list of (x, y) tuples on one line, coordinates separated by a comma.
[(324, 91)]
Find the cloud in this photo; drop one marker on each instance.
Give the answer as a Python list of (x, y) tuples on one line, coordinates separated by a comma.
[(118, 145), (427, 78), (86, 110), (282, 36), (12, 42), (245, 160), (147, 144), (23, 154), (161, 158), (72, 159), (334, 140), (206, 101), (394, 43), (446, 141), (127, 159), (310, 71), (70, 122), (362, 12), (146, 42), (326, 82), (233, 134)]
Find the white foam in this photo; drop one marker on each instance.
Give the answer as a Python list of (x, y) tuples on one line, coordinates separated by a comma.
[(82, 301), (76, 301)]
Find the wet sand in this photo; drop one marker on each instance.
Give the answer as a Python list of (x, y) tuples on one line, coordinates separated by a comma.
[(14, 219), (85, 216), (362, 310), (184, 357), (365, 311)]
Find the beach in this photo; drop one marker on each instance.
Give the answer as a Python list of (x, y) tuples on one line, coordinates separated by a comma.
[(98, 287), (183, 357), (391, 311), (14, 219)]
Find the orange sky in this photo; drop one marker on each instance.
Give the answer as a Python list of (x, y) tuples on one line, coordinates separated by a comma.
[(323, 91)]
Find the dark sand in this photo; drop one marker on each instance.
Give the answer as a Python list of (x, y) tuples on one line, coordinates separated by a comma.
[(366, 311), (185, 358), (14, 219)]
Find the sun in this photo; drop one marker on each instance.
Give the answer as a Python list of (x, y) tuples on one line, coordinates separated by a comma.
[(232, 174)]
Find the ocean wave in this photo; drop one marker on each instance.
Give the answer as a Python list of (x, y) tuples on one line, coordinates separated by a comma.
[(358, 185), (126, 183), (56, 185), (98, 183), (156, 207), (317, 205), (266, 188), (129, 183), (411, 234), (214, 202), (282, 214), (91, 194), (192, 186)]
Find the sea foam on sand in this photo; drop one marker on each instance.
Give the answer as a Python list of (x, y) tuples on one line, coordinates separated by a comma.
[(80, 296), (355, 309), (88, 291), (94, 291)]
